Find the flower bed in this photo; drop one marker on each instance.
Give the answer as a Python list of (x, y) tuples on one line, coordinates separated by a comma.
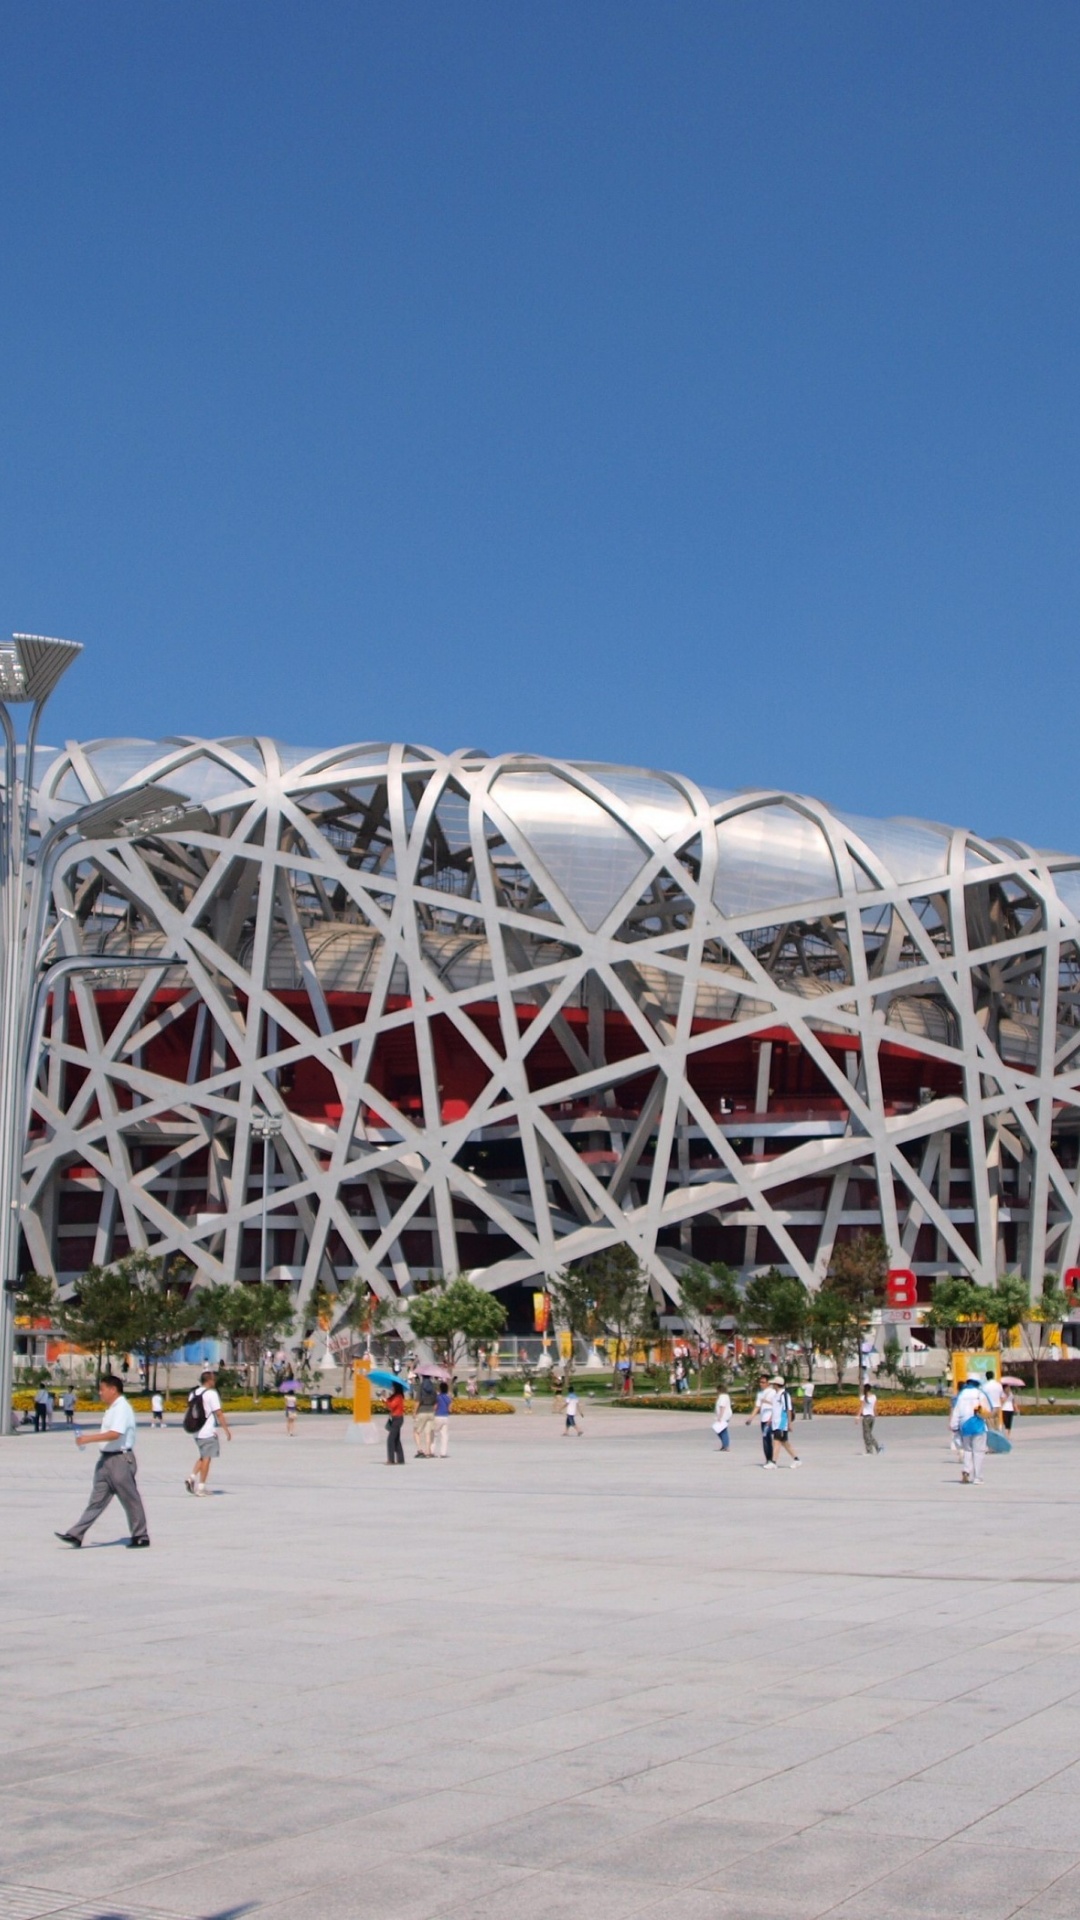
[(903, 1403), (461, 1404), (270, 1402)]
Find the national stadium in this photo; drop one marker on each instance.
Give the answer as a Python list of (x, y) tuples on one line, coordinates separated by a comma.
[(509, 1011)]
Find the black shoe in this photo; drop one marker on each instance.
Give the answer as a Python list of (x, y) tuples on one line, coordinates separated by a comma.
[(139, 1540), (70, 1539)]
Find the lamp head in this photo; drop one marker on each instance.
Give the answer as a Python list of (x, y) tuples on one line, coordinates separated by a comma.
[(31, 664), (139, 811)]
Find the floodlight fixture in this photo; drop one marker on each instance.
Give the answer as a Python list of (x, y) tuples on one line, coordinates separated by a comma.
[(32, 664), (147, 809)]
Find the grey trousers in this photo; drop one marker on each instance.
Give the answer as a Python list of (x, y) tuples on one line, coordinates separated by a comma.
[(114, 1475)]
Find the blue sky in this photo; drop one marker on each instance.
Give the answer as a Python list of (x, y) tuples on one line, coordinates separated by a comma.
[(693, 385)]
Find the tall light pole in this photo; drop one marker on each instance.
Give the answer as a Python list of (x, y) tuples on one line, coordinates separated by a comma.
[(265, 1127), (31, 666)]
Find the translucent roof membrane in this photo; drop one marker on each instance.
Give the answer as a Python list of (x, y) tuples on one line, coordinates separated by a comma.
[(907, 849), (1067, 887), (116, 764), (770, 857), (648, 798), (204, 779), (589, 856)]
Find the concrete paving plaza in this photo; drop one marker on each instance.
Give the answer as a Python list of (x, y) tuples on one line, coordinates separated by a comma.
[(547, 1678)]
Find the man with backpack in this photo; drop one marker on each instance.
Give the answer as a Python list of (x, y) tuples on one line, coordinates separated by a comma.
[(424, 1423), (783, 1415), (969, 1421), (203, 1417)]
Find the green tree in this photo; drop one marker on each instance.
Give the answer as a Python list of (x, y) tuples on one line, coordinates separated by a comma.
[(573, 1308), (623, 1300), (35, 1297), (959, 1308), (160, 1314), (1043, 1315), (250, 1316), (708, 1295), (858, 1271), (455, 1318), (1008, 1303), (779, 1306), (835, 1327), (100, 1315)]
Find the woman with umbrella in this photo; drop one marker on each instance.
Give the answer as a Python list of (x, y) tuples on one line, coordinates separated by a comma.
[(395, 1412), (1008, 1404)]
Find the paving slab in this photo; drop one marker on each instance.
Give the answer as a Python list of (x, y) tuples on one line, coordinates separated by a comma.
[(541, 1680)]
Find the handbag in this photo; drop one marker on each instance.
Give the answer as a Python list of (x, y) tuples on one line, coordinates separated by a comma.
[(997, 1442), (972, 1425)]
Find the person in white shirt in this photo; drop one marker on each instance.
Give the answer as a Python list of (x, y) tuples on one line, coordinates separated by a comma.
[(783, 1414), (970, 1410), (762, 1411), (157, 1409), (995, 1393), (206, 1436), (807, 1391), (114, 1473), (572, 1405), (868, 1414), (722, 1420)]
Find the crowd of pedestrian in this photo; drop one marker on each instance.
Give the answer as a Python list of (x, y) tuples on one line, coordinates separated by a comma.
[(981, 1417)]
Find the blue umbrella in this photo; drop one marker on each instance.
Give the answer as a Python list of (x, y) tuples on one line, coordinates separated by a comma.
[(380, 1378)]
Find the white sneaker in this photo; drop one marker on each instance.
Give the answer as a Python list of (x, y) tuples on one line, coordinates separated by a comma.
[(189, 1482), (796, 1463), (199, 1491), (770, 1466)]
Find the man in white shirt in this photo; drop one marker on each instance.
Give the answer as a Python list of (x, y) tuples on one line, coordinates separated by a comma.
[(995, 1393), (114, 1474), (762, 1411), (722, 1420), (970, 1409), (157, 1409), (206, 1436)]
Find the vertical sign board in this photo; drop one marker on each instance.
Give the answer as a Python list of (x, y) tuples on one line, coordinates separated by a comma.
[(901, 1288)]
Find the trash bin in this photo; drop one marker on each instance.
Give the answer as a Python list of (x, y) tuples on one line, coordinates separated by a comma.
[(322, 1403)]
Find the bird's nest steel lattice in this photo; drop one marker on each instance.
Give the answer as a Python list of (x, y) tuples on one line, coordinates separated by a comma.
[(513, 1010)]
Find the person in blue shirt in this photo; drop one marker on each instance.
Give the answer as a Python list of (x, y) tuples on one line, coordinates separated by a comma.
[(444, 1406)]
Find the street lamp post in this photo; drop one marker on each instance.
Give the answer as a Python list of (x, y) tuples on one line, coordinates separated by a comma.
[(30, 668)]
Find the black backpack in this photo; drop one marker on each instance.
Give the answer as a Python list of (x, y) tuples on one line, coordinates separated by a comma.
[(195, 1416)]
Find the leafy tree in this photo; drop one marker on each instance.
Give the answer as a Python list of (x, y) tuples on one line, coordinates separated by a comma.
[(960, 1308), (1008, 1302), (321, 1307), (161, 1316), (708, 1295), (1043, 1315), (362, 1309), (858, 1271), (250, 1316), (573, 1307), (622, 1297), (835, 1326), (101, 1314), (455, 1318), (779, 1306), (35, 1297)]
